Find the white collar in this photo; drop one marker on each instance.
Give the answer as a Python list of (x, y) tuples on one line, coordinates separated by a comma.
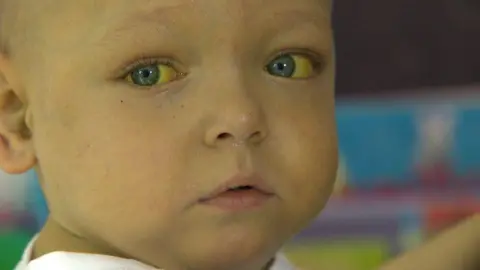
[(78, 261)]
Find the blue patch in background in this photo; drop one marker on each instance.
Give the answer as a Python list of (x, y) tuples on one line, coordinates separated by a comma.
[(466, 146), (378, 144), (37, 204)]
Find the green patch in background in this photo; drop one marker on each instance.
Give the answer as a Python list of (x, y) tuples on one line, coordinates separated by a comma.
[(339, 255), (12, 244)]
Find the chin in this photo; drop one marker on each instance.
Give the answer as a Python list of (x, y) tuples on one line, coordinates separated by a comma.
[(234, 251)]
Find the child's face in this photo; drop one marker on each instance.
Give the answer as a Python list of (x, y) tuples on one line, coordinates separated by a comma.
[(219, 88)]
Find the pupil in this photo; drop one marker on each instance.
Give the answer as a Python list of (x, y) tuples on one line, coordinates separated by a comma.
[(281, 66), (145, 73), (146, 76)]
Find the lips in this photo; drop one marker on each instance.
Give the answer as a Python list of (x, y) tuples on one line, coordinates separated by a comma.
[(240, 188), (240, 183), (239, 193)]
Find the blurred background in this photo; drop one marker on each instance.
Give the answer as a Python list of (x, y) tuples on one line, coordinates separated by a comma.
[(408, 116)]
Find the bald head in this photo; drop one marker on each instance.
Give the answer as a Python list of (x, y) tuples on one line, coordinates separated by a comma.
[(9, 22), (16, 21), (3, 26)]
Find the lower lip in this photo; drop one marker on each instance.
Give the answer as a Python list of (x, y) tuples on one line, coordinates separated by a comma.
[(238, 200)]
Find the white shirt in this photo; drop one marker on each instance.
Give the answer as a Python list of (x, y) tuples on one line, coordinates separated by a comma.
[(80, 261)]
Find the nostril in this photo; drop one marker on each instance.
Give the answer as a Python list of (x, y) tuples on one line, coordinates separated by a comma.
[(223, 136), (257, 137), (257, 134), (254, 137)]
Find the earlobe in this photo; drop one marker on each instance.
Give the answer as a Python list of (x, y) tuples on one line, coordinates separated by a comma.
[(16, 150), (15, 160)]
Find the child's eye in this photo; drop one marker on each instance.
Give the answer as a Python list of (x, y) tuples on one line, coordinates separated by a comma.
[(152, 74), (295, 66)]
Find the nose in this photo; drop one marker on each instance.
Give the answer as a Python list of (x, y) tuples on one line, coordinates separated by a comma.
[(238, 121)]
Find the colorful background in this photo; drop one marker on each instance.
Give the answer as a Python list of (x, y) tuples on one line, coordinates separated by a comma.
[(411, 169), (407, 172)]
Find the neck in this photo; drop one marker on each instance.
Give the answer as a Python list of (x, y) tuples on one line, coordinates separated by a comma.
[(55, 237)]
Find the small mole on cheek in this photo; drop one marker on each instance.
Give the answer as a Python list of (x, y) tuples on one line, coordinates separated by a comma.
[(121, 101)]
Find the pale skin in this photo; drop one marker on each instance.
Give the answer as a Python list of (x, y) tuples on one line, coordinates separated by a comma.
[(123, 166)]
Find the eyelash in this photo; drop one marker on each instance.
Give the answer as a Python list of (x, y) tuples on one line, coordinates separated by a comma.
[(318, 61), (125, 71)]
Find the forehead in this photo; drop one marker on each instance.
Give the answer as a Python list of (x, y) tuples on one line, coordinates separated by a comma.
[(71, 19), (96, 7), (75, 35)]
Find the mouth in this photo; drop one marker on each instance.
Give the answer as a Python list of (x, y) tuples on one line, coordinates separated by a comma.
[(239, 194), (240, 188)]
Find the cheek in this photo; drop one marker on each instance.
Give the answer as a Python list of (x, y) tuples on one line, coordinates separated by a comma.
[(306, 156), (314, 171), (314, 162), (105, 170)]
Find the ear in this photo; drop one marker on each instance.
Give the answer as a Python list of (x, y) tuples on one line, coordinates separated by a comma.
[(16, 149)]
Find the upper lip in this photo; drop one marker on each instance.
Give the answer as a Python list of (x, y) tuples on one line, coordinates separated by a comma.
[(240, 180)]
